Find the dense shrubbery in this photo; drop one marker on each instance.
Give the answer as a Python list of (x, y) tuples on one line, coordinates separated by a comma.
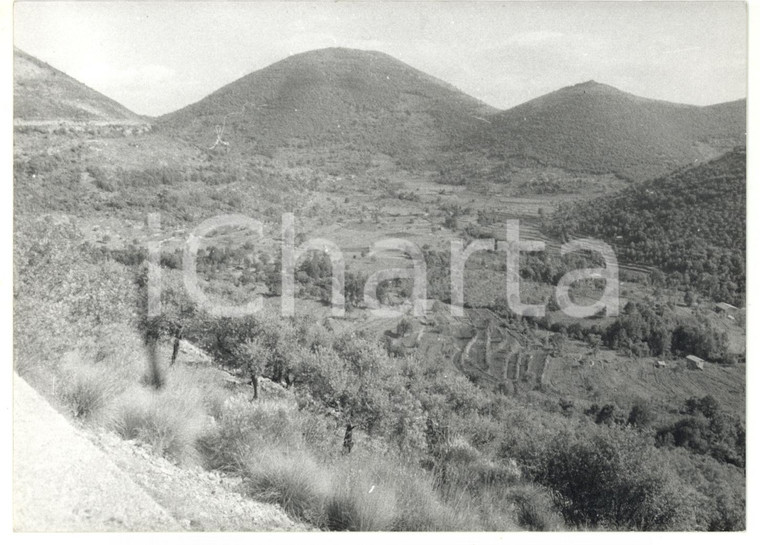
[(647, 330), (63, 288), (644, 331), (707, 430), (690, 224), (613, 479)]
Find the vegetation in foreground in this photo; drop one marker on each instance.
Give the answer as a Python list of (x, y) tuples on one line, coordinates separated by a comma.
[(431, 450)]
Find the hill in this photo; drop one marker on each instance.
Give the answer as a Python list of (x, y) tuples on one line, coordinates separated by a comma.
[(691, 224), (592, 127), (339, 99), (42, 94), (485, 422)]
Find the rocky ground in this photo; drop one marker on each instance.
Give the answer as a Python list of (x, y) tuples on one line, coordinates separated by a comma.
[(70, 479)]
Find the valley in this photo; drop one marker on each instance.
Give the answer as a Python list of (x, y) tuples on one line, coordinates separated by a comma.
[(475, 422)]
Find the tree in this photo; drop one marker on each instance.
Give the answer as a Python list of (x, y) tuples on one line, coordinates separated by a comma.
[(253, 357), (360, 383), (606, 414), (641, 415), (273, 277), (657, 278), (354, 288), (689, 298), (556, 342), (613, 479), (403, 327)]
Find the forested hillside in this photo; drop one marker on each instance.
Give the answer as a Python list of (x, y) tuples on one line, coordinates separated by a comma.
[(592, 127), (690, 224)]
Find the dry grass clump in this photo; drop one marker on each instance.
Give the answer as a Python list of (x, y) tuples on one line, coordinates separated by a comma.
[(269, 443), (100, 382), (84, 380), (85, 389), (263, 442), (173, 419), (419, 507), (206, 383), (535, 509), (292, 479), (169, 421), (89, 378), (243, 427), (360, 500)]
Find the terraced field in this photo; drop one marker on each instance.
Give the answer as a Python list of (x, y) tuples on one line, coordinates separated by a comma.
[(580, 375)]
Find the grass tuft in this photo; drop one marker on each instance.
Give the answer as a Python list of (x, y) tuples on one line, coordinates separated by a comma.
[(535, 510), (293, 480), (170, 421), (85, 390), (360, 503)]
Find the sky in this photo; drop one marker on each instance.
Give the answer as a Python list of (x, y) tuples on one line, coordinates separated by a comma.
[(156, 57)]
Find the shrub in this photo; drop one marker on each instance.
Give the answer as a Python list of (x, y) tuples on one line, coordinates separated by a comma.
[(292, 479), (606, 414), (707, 405), (641, 415), (719, 490), (419, 508), (170, 420), (85, 389), (613, 479), (361, 503), (722, 437), (535, 510), (245, 429)]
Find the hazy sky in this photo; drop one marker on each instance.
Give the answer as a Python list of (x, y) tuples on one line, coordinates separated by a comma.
[(157, 57)]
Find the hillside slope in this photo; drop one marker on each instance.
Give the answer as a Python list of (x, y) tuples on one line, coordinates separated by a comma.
[(43, 94), (62, 482), (592, 127), (691, 223), (70, 479), (335, 98)]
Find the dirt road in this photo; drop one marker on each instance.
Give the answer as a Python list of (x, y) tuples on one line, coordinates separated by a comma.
[(62, 482)]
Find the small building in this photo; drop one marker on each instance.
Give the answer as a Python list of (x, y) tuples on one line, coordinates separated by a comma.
[(725, 308), (693, 362), (659, 364)]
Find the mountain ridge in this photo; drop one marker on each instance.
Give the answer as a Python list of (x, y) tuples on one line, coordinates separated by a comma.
[(350, 103), (335, 97), (44, 94), (598, 128)]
